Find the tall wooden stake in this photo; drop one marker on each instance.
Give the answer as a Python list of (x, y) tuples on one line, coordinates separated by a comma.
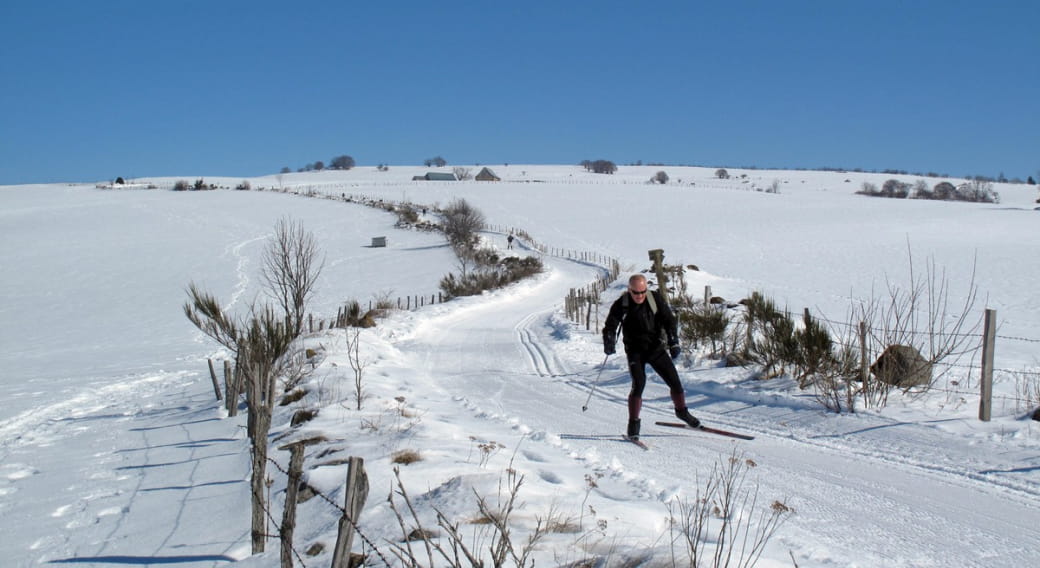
[(989, 335), (357, 493)]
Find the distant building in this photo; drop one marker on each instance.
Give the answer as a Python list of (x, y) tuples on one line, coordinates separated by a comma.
[(435, 176), (487, 175)]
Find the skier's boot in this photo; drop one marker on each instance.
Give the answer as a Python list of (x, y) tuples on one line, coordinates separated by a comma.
[(684, 415), (633, 429)]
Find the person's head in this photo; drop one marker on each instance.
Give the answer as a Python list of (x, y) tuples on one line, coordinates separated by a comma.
[(637, 288)]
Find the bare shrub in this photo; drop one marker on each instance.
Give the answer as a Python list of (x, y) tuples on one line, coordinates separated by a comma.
[(723, 524), (978, 191), (921, 315), (489, 539), (868, 189), (660, 177), (895, 188), (462, 174), (508, 270), (721, 173)]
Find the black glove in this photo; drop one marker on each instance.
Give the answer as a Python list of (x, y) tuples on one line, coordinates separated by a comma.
[(608, 347), (674, 350)]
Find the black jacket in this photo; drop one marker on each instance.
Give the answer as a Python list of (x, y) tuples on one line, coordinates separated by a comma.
[(642, 330)]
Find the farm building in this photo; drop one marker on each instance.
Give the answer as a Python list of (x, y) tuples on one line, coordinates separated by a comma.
[(435, 176), (487, 175)]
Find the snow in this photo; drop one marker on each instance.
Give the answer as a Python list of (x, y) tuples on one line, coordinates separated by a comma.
[(113, 450)]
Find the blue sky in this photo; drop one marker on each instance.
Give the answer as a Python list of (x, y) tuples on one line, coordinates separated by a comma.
[(95, 90)]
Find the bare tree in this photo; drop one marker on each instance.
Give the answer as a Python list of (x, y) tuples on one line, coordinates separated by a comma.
[(721, 173), (291, 267), (261, 342), (660, 177), (462, 174), (462, 221), (357, 363)]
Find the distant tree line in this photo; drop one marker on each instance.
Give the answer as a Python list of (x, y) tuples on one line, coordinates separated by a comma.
[(343, 162), (978, 191)]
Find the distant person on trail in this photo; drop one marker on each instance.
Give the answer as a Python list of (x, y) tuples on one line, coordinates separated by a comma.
[(646, 323), (509, 242)]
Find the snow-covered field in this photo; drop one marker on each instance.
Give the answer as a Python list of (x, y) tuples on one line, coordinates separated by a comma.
[(113, 450)]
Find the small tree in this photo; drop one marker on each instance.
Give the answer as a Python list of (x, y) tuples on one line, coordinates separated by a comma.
[(462, 174), (604, 167), (436, 162), (660, 177), (291, 267), (319, 165), (343, 162), (462, 221), (721, 173)]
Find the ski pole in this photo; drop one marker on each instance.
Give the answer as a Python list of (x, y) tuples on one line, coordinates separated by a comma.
[(595, 383)]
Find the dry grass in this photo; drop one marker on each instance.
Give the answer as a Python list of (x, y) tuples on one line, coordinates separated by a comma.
[(406, 457)]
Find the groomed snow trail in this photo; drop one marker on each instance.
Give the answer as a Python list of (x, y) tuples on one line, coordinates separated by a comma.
[(502, 360)]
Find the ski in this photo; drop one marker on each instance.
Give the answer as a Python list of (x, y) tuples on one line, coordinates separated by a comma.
[(611, 437), (638, 442), (703, 428)]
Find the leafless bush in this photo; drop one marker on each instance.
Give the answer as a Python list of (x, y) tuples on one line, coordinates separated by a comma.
[(922, 315), (722, 525), (489, 539), (1027, 390), (462, 173)]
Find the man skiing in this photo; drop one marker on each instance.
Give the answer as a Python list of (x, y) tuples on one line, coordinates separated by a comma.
[(646, 323)]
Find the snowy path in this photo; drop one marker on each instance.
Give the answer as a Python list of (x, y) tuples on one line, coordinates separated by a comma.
[(941, 500)]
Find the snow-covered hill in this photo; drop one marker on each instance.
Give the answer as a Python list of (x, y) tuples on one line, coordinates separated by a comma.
[(113, 450)]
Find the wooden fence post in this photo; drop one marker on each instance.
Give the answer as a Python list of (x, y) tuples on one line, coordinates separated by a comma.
[(228, 382), (863, 367), (707, 295), (989, 334), (213, 376), (292, 490), (357, 493)]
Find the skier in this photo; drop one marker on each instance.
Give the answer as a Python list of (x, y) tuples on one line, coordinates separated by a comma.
[(647, 323)]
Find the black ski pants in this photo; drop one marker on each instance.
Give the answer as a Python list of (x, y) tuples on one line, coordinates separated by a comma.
[(661, 363)]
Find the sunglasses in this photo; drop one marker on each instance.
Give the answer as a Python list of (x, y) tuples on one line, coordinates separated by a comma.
[(637, 292)]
